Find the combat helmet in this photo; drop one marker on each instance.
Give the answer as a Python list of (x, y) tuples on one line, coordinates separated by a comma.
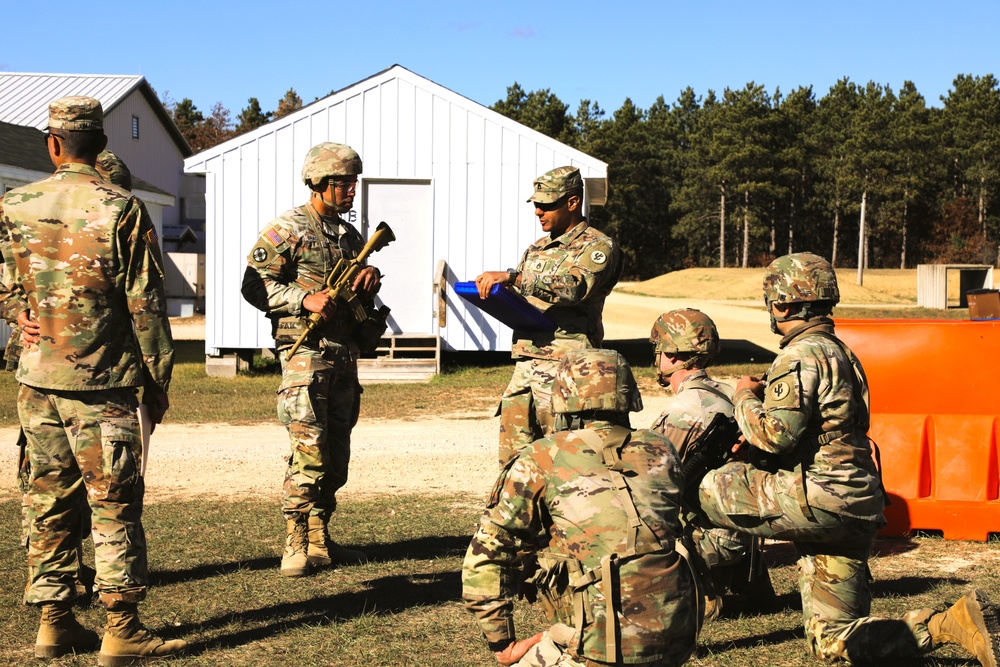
[(594, 380), (330, 159), (684, 330), (801, 277)]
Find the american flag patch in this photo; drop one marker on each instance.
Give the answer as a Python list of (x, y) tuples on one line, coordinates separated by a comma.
[(151, 237), (274, 237)]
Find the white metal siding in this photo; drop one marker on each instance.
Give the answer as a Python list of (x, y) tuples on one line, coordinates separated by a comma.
[(479, 163)]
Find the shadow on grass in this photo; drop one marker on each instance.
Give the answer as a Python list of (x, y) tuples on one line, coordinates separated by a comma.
[(384, 597), (766, 639), (422, 548)]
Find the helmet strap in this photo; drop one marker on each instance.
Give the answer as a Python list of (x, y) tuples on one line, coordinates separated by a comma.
[(663, 377)]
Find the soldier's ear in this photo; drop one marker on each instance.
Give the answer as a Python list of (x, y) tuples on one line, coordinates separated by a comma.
[(573, 202)]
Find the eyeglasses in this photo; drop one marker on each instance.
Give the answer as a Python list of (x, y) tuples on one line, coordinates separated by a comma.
[(346, 186)]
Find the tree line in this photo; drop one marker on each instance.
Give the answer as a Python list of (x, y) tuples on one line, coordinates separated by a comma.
[(862, 175), (865, 176)]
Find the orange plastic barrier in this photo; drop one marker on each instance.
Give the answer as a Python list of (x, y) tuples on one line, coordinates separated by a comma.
[(935, 395)]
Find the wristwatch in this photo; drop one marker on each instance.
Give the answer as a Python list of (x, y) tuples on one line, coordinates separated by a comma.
[(512, 275)]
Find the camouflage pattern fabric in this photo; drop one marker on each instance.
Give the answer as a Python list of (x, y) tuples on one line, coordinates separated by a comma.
[(113, 169), (699, 398), (799, 277), (81, 255), (555, 184), (330, 159), (94, 461), (76, 113), (318, 402), (685, 330), (826, 498), (526, 406), (319, 397), (812, 418), (78, 249), (594, 380), (558, 501), (568, 278)]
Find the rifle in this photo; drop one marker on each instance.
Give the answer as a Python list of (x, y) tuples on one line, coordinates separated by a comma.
[(709, 450), (338, 283)]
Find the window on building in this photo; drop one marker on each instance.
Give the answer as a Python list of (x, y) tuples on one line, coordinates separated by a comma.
[(135, 127)]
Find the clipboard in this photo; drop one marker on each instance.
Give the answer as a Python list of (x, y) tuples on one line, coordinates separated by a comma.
[(508, 307)]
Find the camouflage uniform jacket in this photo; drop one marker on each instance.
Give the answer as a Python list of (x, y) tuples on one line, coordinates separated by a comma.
[(558, 500), (698, 399), (568, 278), (292, 258), (814, 416), (83, 258)]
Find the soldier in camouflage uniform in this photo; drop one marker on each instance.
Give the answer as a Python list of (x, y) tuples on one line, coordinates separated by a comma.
[(826, 497), (319, 398), (86, 273), (567, 274), (685, 342), (596, 505), (111, 168)]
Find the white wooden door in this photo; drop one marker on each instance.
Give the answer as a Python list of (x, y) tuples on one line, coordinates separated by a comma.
[(407, 262)]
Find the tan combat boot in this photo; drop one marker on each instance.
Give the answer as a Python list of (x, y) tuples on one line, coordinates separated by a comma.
[(59, 632), (295, 559), (973, 624), (324, 552), (127, 642)]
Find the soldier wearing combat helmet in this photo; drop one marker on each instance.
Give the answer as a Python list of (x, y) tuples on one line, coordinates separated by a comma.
[(595, 506), (86, 288), (826, 497), (568, 273), (319, 397), (685, 343)]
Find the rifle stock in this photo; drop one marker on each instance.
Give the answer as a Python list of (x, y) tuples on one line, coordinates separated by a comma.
[(338, 283)]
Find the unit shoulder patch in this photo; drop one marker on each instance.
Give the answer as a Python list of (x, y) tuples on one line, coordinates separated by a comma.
[(783, 387), (596, 256)]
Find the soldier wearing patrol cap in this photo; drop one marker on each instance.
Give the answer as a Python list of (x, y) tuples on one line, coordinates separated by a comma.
[(826, 496), (597, 506), (86, 287), (568, 274), (319, 397)]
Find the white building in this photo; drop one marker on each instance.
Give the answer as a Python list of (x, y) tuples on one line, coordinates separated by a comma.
[(449, 175), (138, 127)]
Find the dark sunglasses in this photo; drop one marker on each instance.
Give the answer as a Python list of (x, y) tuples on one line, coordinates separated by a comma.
[(557, 204), (45, 137)]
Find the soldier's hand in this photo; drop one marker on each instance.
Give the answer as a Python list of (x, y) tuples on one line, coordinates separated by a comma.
[(516, 651), (486, 280), (320, 302), (30, 329), (753, 384), (157, 404), (367, 282)]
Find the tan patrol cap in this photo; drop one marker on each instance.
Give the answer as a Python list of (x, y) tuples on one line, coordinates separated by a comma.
[(552, 185), (76, 113)]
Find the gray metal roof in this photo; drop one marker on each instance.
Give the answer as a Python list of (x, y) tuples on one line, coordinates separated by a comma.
[(25, 97)]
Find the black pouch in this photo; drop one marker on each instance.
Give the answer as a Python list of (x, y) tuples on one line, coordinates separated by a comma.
[(369, 332)]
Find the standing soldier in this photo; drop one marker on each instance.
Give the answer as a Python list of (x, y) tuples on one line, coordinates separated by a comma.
[(87, 290), (826, 497), (319, 398), (597, 505), (685, 343), (567, 274)]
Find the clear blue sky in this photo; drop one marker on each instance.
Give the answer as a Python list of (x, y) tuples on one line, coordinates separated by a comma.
[(603, 51)]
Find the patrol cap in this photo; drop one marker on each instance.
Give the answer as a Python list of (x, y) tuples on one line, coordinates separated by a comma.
[(76, 113), (555, 184), (112, 168)]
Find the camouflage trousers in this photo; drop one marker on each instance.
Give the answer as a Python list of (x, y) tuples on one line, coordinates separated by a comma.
[(549, 652), (318, 402), (833, 563), (84, 454), (526, 406)]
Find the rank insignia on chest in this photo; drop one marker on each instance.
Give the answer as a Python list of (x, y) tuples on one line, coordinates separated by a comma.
[(538, 265)]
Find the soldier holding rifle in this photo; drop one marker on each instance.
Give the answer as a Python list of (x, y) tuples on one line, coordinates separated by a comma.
[(320, 397)]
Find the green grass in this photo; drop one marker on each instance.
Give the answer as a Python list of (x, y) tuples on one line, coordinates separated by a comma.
[(214, 583)]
